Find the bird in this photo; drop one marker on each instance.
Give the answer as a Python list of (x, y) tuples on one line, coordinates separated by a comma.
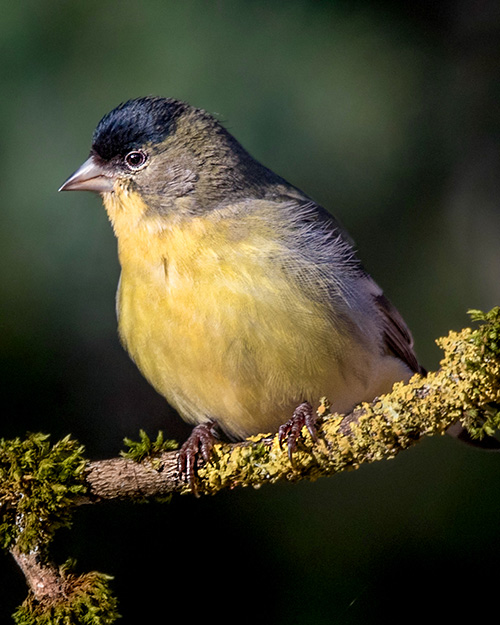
[(241, 300)]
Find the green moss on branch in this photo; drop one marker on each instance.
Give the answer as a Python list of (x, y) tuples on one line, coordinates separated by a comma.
[(83, 600), (38, 485)]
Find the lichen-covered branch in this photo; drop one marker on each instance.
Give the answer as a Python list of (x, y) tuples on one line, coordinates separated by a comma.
[(40, 484)]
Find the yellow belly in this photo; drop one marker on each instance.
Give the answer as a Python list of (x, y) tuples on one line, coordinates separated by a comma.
[(214, 351)]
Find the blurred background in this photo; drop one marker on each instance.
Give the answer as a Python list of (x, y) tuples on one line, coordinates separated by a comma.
[(385, 113)]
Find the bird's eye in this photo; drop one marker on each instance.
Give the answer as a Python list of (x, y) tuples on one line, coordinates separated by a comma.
[(136, 159)]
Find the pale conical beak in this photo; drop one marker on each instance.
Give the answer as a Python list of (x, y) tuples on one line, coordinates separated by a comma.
[(89, 177)]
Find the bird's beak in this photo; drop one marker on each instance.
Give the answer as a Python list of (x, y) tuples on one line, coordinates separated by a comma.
[(91, 176)]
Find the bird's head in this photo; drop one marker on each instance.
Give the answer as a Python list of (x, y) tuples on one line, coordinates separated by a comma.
[(171, 157)]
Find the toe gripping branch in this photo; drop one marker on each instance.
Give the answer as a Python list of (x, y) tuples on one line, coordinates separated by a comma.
[(303, 415), (196, 450)]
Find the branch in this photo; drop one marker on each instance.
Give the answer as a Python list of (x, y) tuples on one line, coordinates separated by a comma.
[(465, 389)]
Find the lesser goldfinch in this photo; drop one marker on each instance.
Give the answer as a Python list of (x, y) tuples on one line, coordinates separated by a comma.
[(240, 298)]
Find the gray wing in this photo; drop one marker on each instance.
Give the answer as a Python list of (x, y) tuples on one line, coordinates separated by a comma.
[(321, 239)]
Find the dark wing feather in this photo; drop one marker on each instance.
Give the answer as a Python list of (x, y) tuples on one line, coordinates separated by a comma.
[(396, 334)]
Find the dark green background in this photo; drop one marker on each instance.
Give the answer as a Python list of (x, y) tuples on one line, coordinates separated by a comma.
[(388, 116)]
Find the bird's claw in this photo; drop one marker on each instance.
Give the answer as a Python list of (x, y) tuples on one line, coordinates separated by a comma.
[(196, 449), (290, 431)]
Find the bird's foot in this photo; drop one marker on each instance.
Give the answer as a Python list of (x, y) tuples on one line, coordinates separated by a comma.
[(290, 431), (196, 449)]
